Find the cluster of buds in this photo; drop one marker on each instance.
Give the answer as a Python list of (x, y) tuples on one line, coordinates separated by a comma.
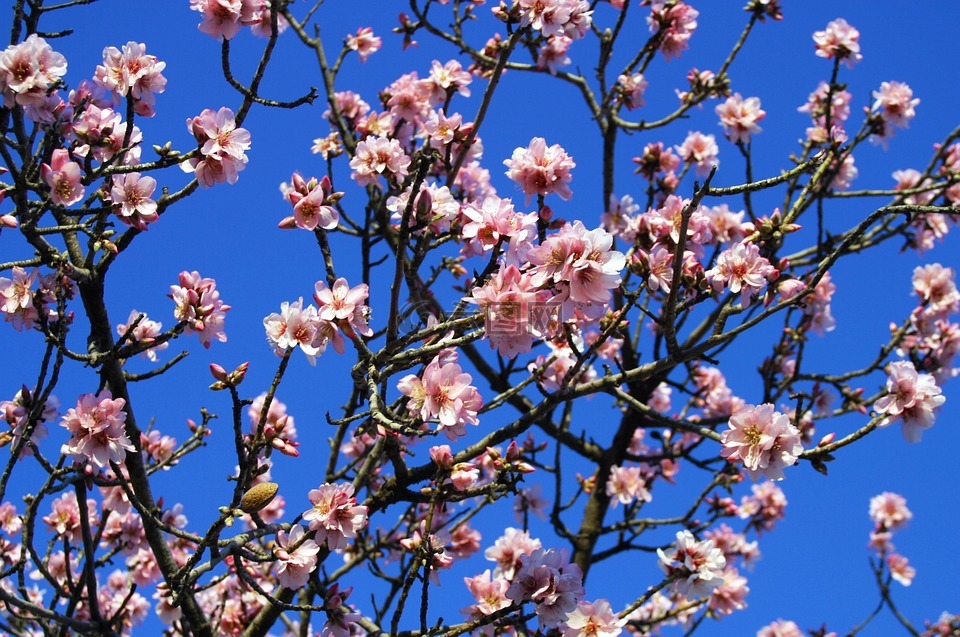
[(226, 379)]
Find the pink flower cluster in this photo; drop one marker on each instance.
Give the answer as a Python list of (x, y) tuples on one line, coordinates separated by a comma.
[(28, 71), (222, 19), (911, 398), (96, 427), (296, 557), (311, 329), (696, 565), (839, 40), (763, 440), (335, 516), (549, 580), (132, 194), (132, 72), (541, 170), (895, 106), (739, 117), (700, 150), (378, 155), (933, 338), (21, 304), (567, 18), (365, 43), (443, 392), (817, 108), (313, 204), (16, 413), (198, 305), (741, 270), (63, 177), (676, 22), (494, 222), (221, 147), (890, 514)]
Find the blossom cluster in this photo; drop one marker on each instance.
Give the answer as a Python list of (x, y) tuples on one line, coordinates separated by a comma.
[(340, 310), (443, 392), (199, 307), (890, 514), (221, 147), (97, 430)]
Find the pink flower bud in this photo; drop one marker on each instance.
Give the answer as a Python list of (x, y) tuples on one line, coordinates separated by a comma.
[(218, 372), (8, 220), (827, 439)]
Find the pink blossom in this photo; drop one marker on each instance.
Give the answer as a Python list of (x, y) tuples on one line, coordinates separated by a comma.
[(541, 170), (132, 193), (365, 43), (698, 566), (739, 117), (442, 128), (97, 430), (742, 270), (816, 107), (632, 88), (296, 558), (764, 507), (627, 484), (16, 413), (617, 217), (937, 290), (508, 549), (490, 593), (445, 80), (839, 40), (145, 334), (484, 226), (818, 305), (298, 326), (507, 300), (895, 104), (578, 261), (570, 18), (28, 70), (900, 569), (312, 203), (222, 147), (701, 150), (889, 511), (344, 305), (551, 582), (335, 515), (780, 628), (911, 398), (131, 71), (377, 156), (445, 394), (595, 619), (222, 19), (730, 595), (762, 439), (198, 304), (464, 475), (677, 22), (63, 177), (553, 54)]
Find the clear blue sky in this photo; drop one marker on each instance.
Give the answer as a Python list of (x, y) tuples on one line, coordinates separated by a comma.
[(814, 566)]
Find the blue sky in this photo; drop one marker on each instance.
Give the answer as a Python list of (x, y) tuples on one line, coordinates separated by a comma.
[(814, 566)]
